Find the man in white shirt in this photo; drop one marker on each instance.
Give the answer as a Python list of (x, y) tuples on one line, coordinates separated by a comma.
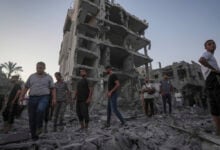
[(211, 73), (147, 97)]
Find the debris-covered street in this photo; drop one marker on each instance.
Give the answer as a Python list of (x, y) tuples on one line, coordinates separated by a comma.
[(101, 90), (185, 129)]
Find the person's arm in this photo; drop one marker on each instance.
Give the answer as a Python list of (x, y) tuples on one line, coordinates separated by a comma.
[(117, 85), (142, 93), (25, 89), (90, 95), (171, 88), (16, 96), (160, 90), (22, 94), (53, 94), (205, 63), (75, 95), (68, 93), (145, 89), (152, 89)]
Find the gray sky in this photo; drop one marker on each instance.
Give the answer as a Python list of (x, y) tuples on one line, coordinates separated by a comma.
[(31, 30)]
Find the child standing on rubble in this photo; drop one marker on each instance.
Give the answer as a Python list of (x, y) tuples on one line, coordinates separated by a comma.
[(211, 73)]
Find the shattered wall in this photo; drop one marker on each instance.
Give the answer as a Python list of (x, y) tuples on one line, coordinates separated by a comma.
[(98, 33)]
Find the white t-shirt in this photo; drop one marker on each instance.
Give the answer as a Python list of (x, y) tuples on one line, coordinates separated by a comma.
[(145, 86), (212, 61)]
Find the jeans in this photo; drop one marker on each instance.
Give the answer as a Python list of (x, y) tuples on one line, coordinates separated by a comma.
[(36, 109), (213, 91), (167, 99), (149, 101), (112, 106), (59, 112), (1, 101)]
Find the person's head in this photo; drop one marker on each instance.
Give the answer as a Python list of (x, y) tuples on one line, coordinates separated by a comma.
[(210, 45), (40, 67), (14, 78), (83, 72), (165, 77), (108, 69), (58, 76)]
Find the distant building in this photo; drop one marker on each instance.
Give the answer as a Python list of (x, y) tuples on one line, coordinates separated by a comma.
[(186, 78)]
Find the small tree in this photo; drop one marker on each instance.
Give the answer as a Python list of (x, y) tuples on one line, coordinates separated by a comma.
[(11, 68)]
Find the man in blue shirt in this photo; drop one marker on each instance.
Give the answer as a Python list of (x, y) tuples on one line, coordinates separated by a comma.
[(165, 91)]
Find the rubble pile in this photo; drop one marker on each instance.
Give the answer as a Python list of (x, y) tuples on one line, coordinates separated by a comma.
[(183, 130)]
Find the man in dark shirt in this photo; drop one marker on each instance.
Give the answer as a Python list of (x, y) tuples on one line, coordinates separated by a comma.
[(12, 105), (166, 89), (113, 85), (83, 95)]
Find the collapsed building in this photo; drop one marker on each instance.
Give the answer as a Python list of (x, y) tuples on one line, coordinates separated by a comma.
[(98, 33), (186, 78)]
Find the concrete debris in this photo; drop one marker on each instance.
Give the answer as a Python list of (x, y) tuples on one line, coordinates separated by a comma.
[(183, 130)]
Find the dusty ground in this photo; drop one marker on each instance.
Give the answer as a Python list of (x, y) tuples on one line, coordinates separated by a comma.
[(185, 129)]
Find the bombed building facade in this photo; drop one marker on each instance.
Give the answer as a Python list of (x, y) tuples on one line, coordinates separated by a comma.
[(186, 78), (98, 33)]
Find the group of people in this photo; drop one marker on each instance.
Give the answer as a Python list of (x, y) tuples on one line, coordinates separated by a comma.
[(44, 92), (211, 73), (148, 95)]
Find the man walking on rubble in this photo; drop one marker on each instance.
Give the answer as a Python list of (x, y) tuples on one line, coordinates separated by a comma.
[(40, 85), (211, 73), (113, 85), (166, 89), (11, 109), (83, 96), (62, 93)]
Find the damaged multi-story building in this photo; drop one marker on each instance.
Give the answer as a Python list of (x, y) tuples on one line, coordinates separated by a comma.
[(98, 33), (186, 78)]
